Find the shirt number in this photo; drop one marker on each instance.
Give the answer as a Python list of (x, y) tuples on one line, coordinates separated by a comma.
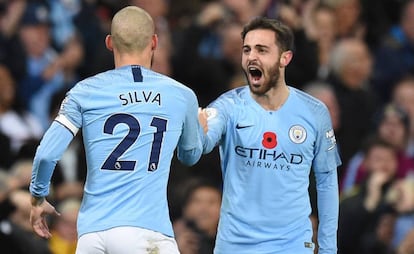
[(112, 162)]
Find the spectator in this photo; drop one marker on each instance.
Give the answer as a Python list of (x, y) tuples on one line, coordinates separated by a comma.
[(401, 197), (231, 50), (394, 58), (304, 66), (11, 53), (379, 241), (244, 10), (7, 245), (42, 78), (93, 24), (64, 236), (210, 76), (196, 229), (18, 127), (65, 38), (392, 125), (348, 16), (321, 27), (20, 174), (360, 211), (378, 17), (350, 69), (403, 96)]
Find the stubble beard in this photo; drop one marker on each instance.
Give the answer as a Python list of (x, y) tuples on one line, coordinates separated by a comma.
[(273, 73)]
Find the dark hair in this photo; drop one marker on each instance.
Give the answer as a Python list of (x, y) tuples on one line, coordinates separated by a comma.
[(283, 34), (197, 184), (375, 141), (392, 109)]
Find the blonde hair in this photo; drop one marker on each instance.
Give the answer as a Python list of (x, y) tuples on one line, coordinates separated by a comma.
[(132, 29)]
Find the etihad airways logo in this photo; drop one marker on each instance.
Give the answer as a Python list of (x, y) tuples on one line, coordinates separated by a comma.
[(268, 156)]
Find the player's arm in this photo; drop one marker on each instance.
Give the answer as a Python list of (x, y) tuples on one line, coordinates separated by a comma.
[(325, 167), (51, 148), (216, 126), (53, 144), (328, 209), (190, 146)]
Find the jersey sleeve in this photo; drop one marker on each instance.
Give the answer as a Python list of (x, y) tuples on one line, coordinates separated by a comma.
[(189, 147), (71, 110), (216, 122), (326, 151), (325, 166), (328, 210), (53, 144)]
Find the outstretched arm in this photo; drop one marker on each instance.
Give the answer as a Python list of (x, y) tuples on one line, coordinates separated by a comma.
[(213, 124), (190, 145)]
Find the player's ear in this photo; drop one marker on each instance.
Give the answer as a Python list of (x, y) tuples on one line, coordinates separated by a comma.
[(285, 58), (108, 42), (154, 42)]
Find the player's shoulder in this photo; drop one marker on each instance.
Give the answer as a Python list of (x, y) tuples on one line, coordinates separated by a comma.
[(124, 74), (169, 82), (234, 96), (229, 103), (93, 81), (311, 102)]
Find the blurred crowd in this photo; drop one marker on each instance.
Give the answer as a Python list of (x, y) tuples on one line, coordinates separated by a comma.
[(357, 56)]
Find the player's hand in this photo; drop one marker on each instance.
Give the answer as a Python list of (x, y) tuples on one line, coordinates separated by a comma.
[(38, 220), (202, 118)]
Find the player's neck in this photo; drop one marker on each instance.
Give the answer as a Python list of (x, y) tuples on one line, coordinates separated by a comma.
[(274, 98), (124, 60)]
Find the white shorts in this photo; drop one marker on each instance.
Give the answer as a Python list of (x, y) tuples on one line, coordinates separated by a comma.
[(126, 240)]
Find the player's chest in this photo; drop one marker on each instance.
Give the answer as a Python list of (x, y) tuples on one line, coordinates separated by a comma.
[(273, 132)]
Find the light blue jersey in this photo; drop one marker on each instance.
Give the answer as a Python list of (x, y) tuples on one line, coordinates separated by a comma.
[(266, 157), (132, 119)]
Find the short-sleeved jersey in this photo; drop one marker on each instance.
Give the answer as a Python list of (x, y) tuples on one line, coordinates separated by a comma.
[(266, 157), (132, 120)]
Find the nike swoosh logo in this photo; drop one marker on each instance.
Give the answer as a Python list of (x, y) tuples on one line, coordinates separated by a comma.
[(243, 126)]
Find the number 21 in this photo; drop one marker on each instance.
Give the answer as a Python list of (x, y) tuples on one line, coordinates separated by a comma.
[(112, 162)]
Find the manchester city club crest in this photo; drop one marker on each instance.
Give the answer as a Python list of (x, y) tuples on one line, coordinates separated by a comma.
[(297, 134)]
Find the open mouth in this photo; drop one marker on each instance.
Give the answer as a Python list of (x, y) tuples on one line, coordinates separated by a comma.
[(255, 73)]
